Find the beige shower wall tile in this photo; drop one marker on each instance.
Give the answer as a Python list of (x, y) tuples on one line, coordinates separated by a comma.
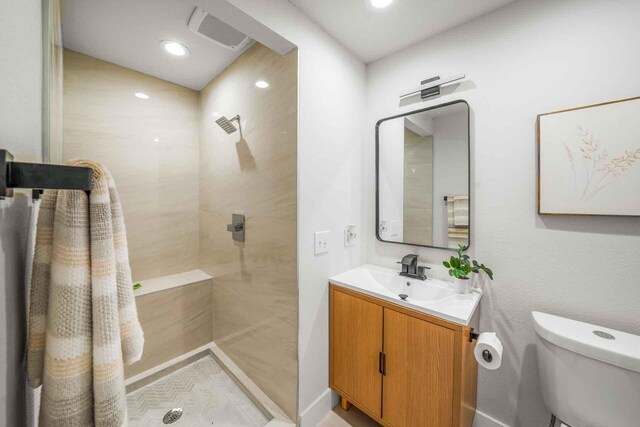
[(102, 94), (234, 91), (270, 289), (267, 240), (254, 322), (233, 315), (157, 181), (268, 355), (253, 173), (163, 244), (256, 174), (174, 322), (148, 176)]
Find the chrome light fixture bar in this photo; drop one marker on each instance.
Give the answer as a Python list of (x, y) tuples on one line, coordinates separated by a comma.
[(431, 86)]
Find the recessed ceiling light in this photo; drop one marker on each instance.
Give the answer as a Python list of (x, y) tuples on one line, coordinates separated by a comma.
[(262, 84), (156, 139), (377, 4), (175, 48), (141, 95)]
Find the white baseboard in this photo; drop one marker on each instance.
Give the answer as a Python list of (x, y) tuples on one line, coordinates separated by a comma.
[(484, 420), (314, 413)]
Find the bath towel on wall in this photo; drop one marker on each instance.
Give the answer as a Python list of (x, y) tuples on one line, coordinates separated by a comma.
[(83, 323), (458, 220)]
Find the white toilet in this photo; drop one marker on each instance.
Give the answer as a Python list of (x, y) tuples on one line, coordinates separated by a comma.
[(590, 375)]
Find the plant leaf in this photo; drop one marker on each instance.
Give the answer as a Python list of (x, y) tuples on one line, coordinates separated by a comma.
[(489, 273)]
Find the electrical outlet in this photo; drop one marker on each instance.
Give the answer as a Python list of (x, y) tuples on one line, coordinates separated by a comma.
[(321, 242), (350, 235)]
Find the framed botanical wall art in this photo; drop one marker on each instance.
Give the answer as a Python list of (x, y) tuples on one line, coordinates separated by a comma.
[(589, 160)]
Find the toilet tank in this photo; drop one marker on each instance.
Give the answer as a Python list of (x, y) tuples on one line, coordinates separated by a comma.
[(590, 375)]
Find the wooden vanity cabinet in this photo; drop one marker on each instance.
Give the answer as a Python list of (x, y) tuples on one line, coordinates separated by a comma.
[(401, 367)]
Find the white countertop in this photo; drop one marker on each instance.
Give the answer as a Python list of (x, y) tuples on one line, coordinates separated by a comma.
[(432, 296)]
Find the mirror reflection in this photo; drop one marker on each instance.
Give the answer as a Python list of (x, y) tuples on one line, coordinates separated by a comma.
[(423, 177)]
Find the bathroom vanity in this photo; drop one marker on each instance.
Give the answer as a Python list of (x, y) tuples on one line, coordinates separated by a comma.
[(404, 362)]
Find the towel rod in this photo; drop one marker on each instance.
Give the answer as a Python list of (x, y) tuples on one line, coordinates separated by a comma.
[(39, 177)]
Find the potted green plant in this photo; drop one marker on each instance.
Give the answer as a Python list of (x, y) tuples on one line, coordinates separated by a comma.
[(460, 268)]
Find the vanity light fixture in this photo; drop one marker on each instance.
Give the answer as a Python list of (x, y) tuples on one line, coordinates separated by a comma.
[(430, 88), (175, 48), (141, 95), (377, 4), (262, 84)]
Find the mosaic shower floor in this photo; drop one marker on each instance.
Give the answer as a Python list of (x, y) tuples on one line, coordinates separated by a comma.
[(204, 391)]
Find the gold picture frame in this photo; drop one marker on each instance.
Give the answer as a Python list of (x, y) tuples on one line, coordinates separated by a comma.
[(589, 160)]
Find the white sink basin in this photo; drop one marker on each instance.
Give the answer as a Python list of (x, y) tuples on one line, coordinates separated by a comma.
[(431, 296)]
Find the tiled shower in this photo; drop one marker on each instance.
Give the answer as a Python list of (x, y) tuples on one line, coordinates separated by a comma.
[(180, 178)]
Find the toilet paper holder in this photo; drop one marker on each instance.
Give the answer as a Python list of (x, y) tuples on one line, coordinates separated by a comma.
[(486, 354)]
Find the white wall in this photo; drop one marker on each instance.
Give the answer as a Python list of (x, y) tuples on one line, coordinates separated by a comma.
[(450, 177), (20, 133), (530, 57), (331, 112), (391, 184)]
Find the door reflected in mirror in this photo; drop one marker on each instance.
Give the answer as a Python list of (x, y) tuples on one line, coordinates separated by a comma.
[(423, 177)]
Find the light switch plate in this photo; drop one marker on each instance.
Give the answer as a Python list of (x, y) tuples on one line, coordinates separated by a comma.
[(321, 242), (350, 235)]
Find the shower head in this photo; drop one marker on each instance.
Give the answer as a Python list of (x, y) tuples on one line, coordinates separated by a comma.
[(226, 124)]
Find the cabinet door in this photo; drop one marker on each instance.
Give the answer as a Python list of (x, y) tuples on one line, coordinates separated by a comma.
[(356, 343), (418, 382)]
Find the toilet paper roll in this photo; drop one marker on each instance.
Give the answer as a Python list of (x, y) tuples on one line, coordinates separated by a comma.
[(488, 350)]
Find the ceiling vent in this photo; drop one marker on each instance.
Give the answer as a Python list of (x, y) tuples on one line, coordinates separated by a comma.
[(213, 29)]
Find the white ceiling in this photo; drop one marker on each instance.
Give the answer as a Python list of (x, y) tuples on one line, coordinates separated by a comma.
[(372, 35), (128, 33)]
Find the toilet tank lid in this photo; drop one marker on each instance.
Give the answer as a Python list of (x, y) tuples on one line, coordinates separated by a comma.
[(586, 339)]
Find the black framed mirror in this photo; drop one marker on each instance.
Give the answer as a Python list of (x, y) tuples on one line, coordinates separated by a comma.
[(423, 177)]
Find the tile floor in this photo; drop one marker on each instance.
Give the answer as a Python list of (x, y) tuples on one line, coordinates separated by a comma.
[(207, 395), (352, 418)]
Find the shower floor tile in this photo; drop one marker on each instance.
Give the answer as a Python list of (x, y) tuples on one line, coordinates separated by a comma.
[(204, 391)]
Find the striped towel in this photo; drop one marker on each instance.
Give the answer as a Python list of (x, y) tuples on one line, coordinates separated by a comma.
[(458, 220), (461, 211), (83, 323)]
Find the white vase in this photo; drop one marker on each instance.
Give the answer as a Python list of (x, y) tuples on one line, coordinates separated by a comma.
[(461, 286)]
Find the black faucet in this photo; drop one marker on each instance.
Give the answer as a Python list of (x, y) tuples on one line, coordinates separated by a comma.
[(410, 267)]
